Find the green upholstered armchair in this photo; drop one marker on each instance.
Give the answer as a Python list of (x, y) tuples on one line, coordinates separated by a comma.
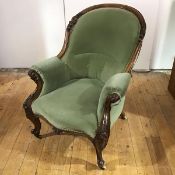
[(82, 90)]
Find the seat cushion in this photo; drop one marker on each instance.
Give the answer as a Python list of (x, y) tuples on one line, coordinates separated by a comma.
[(73, 106)]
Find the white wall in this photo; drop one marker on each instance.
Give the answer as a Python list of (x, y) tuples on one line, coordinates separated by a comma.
[(30, 30), (164, 45), (148, 8)]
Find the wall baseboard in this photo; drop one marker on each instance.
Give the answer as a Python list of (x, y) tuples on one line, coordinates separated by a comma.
[(21, 70)]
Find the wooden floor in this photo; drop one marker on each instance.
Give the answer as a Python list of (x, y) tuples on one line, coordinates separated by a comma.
[(142, 145)]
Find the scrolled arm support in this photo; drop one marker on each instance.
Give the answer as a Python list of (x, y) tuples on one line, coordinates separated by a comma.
[(103, 131), (28, 102)]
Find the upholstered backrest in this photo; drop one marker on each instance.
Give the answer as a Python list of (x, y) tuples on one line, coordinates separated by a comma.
[(102, 42)]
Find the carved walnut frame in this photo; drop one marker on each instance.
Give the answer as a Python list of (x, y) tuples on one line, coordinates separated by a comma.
[(103, 130)]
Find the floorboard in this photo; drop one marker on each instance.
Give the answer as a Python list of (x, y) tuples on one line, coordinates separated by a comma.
[(142, 145)]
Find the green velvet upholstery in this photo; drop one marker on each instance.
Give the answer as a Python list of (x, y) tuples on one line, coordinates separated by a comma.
[(118, 83), (72, 106), (102, 42), (76, 86), (54, 74)]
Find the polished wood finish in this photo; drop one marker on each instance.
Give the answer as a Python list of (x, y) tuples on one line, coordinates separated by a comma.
[(28, 102), (103, 130), (171, 85), (143, 144)]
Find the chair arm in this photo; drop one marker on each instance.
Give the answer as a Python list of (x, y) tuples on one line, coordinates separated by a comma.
[(117, 84), (53, 72)]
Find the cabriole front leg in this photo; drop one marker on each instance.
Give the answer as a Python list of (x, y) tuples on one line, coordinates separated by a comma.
[(37, 128), (103, 132), (28, 102), (100, 143), (34, 119)]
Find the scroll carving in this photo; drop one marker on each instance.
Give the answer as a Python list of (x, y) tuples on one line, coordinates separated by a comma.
[(103, 132), (73, 22), (28, 102)]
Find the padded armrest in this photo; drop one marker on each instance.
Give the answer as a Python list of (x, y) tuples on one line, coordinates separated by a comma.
[(118, 84), (53, 72)]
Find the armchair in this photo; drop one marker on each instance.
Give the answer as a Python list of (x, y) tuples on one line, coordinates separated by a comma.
[(82, 90)]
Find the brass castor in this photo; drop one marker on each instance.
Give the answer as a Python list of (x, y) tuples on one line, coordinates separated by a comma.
[(101, 164), (123, 116)]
